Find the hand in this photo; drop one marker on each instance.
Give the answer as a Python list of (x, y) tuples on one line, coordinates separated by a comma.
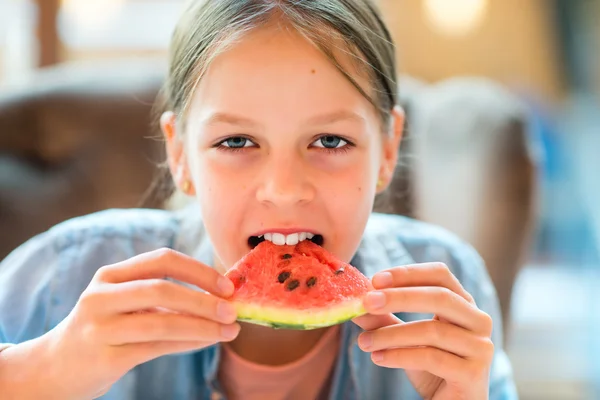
[(445, 358), (129, 315)]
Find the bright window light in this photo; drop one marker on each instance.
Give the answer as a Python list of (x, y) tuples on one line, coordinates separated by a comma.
[(455, 17), (92, 14)]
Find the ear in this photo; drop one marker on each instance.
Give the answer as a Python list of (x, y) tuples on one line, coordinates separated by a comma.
[(391, 147), (175, 153)]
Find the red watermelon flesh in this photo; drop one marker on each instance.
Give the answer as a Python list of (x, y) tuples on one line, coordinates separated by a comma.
[(296, 287)]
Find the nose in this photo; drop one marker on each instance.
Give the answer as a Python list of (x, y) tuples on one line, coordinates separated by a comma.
[(285, 183)]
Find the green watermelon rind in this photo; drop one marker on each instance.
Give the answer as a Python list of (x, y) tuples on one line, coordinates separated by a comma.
[(289, 318)]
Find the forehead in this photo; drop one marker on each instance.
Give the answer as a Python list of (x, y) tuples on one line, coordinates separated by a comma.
[(276, 70)]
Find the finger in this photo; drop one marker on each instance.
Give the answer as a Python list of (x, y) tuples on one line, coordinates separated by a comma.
[(431, 300), (138, 353), (441, 335), (369, 322), (165, 327), (167, 263), (426, 274), (437, 362), (157, 293)]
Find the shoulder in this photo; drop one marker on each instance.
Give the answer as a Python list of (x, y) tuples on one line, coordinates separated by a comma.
[(126, 225), (93, 240), (403, 239), (110, 228), (393, 240)]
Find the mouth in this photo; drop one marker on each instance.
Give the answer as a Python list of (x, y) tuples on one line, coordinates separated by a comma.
[(281, 239)]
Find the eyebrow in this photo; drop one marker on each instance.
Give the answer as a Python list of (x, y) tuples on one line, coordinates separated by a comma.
[(231, 119), (336, 116), (322, 119)]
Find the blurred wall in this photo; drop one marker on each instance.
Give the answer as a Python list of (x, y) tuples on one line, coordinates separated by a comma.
[(514, 43)]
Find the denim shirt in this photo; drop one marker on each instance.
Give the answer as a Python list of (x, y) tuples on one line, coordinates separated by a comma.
[(42, 280)]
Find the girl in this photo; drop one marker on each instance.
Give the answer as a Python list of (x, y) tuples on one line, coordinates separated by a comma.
[(281, 116)]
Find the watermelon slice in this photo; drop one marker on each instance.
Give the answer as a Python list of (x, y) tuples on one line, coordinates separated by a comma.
[(296, 287)]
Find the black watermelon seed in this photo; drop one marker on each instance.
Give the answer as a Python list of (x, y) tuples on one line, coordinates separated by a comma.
[(240, 281), (312, 281), (339, 272), (283, 276), (293, 284), (286, 256)]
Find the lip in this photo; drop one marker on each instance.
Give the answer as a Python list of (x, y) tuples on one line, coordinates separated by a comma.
[(287, 231)]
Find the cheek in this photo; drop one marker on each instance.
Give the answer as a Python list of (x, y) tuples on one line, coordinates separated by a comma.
[(350, 179), (348, 189), (222, 187), (223, 206), (349, 194), (220, 190)]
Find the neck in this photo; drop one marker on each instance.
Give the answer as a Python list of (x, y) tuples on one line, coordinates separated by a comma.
[(267, 346)]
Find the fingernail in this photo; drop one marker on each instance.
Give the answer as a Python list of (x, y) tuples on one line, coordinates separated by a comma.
[(365, 340), (383, 280), (229, 332), (225, 311), (377, 356), (375, 300), (225, 286)]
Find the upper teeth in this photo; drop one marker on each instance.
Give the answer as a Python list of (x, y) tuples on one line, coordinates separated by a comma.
[(292, 239)]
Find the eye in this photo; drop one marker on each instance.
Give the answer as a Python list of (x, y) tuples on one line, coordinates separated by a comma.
[(236, 142), (331, 142)]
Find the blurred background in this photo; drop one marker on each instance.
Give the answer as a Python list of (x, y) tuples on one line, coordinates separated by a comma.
[(502, 146)]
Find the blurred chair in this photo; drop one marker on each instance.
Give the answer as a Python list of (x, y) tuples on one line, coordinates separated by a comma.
[(76, 139)]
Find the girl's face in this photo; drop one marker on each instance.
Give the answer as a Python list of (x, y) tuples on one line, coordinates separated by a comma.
[(277, 140)]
